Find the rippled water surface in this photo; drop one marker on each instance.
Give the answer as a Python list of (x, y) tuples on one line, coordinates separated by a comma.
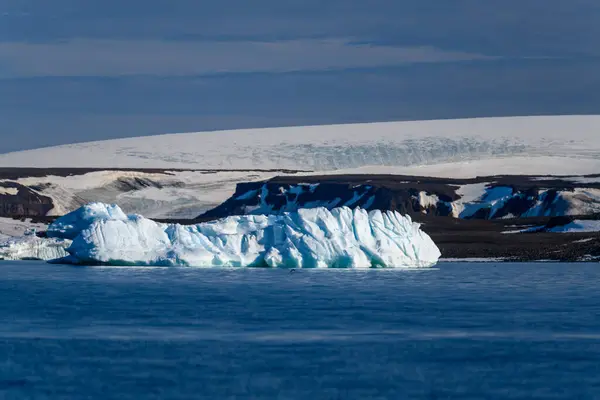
[(468, 331)]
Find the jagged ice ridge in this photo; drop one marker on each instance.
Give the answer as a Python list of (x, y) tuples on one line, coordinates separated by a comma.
[(31, 247), (308, 238)]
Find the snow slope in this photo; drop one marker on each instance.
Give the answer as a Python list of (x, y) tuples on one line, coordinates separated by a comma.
[(172, 194), (12, 227), (480, 146), (495, 165), (315, 238)]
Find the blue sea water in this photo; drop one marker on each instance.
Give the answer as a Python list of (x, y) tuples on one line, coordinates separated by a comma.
[(460, 331)]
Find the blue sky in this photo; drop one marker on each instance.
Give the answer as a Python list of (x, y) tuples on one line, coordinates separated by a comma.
[(73, 70)]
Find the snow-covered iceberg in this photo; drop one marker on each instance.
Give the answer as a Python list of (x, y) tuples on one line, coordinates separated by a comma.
[(31, 247), (308, 238), (73, 223)]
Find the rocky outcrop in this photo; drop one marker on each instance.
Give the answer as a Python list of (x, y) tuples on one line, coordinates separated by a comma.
[(274, 197), (17, 200), (157, 193), (481, 198)]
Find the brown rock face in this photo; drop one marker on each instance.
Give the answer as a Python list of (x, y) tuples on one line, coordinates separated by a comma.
[(17, 200)]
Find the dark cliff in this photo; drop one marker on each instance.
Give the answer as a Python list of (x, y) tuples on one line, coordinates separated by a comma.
[(17, 200), (495, 197)]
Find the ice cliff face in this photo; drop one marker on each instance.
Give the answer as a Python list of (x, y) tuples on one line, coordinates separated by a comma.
[(308, 238), (31, 247)]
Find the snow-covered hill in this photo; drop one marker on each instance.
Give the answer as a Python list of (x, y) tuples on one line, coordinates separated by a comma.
[(157, 194), (551, 144), (215, 162)]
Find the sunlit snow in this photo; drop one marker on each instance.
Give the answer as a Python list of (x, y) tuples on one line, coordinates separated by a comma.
[(315, 238)]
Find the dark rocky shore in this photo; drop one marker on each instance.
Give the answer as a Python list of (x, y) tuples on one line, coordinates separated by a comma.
[(459, 238)]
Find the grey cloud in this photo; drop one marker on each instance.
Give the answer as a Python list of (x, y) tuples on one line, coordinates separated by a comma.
[(43, 111), (509, 27), (119, 58)]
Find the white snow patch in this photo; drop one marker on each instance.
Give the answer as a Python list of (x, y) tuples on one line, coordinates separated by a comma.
[(478, 196), (468, 194), (584, 240), (521, 230), (472, 192), (11, 191), (581, 201), (578, 226), (427, 201)]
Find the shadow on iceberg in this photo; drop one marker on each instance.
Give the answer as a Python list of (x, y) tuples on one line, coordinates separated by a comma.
[(309, 238)]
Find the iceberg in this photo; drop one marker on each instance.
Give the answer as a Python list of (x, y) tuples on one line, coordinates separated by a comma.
[(307, 238), (71, 224), (31, 247)]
